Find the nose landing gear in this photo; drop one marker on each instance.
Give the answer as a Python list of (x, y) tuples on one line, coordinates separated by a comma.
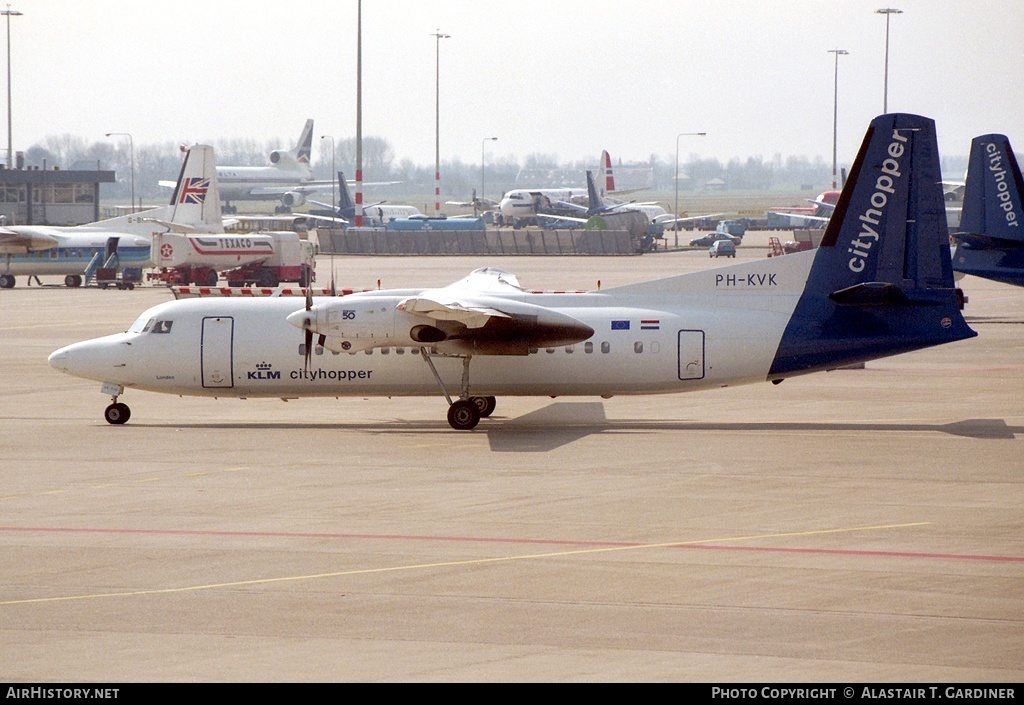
[(118, 412)]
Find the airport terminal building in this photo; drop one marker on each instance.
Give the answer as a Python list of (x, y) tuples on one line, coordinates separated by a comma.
[(35, 196)]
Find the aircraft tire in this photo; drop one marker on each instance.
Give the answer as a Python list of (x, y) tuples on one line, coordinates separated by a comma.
[(117, 413), (485, 405), (210, 279), (73, 280), (463, 415), (6, 281)]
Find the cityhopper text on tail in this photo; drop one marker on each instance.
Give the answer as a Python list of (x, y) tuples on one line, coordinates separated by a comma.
[(990, 239), (880, 284)]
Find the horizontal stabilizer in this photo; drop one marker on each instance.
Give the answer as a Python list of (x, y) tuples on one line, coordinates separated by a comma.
[(869, 294)]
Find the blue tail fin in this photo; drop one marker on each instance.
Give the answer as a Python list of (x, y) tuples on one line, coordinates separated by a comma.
[(882, 280), (992, 194), (346, 206), (991, 236), (595, 202)]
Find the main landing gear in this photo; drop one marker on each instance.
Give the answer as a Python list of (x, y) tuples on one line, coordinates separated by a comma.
[(465, 413)]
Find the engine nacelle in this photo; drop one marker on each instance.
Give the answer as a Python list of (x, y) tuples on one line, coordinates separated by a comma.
[(293, 198), (276, 156)]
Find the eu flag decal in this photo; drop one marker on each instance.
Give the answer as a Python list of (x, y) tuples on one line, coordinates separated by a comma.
[(620, 325)]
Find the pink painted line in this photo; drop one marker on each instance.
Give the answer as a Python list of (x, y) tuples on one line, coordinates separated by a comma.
[(545, 542), (850, 552)]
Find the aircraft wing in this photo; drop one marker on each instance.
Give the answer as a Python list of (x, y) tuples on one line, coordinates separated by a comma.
[(13, 242), (552, 221), (802, 220), (668, 221), (490, 317), (466, 312)]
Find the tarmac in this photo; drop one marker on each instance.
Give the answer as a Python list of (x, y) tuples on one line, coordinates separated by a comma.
[(854, 526)]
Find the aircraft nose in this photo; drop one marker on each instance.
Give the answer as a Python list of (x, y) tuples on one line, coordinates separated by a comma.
[(101, 359), (60, 359)]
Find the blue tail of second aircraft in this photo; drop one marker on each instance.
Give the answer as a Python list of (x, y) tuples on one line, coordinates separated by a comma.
[(882, 281), (990, 239)]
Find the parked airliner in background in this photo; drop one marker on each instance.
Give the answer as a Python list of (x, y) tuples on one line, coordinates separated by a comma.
[(378, 213), (38, 250), (879, 284), (522, 205), (990, 238), (287, 179), (597, 205)]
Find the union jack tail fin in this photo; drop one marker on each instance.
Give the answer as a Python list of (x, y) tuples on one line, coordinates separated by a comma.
[(196, 199)]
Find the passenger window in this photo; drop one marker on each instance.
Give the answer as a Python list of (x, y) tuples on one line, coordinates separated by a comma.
[(319, 350), (568, 349), (638, 347), (606, 347), (550, 350), (400, 351), (385, 351), (588, 348)]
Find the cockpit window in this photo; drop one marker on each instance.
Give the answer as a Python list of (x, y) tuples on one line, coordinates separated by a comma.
[(141, 325), (161, 327)]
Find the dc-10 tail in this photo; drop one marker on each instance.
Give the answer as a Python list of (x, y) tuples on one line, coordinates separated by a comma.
[(882, 281)]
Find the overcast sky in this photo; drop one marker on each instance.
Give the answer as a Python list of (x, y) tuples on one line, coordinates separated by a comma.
[(544, 76)]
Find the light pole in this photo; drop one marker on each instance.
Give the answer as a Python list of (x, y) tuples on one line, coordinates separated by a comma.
[(835, 110), (483, 180), (131, 149), (887, 11), (681, 134), (334, 174), (10, 135), (359, 119), (438, 36)]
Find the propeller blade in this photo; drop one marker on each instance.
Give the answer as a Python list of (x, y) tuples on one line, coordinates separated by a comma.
[(308, 347)]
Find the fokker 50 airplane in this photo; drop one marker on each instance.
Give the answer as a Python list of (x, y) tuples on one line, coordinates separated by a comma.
[(990, 239), (38, 250), (880, 284)]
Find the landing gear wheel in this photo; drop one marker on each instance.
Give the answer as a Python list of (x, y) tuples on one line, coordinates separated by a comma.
[(485, 405), (73, 280), (463, 415), (6, 281), (117, 413), (209, 279)]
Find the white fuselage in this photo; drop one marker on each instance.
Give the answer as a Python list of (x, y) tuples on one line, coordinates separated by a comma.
[(522, 203), (239, 183), (74, 251), (384, 212), (708, 329)]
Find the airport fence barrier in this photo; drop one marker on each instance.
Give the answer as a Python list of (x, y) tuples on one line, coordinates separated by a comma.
[(532, 241)]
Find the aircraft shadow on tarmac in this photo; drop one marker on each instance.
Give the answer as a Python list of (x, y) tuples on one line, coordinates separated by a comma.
[(562, 423)]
